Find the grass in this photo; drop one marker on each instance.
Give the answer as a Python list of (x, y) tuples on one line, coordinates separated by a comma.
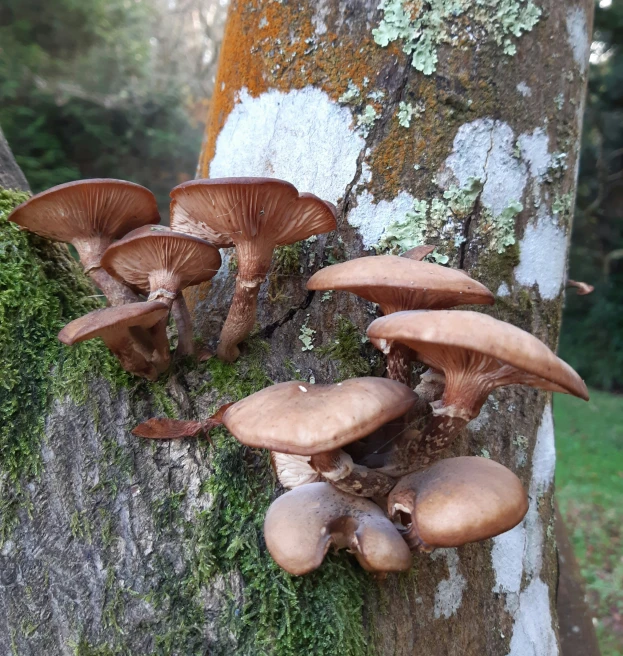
[(589, 478)]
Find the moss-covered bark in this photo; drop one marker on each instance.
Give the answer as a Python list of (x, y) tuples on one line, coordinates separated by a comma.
[(127, 547)]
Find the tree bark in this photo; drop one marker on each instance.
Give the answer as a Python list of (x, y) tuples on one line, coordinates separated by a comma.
[(135, 547)]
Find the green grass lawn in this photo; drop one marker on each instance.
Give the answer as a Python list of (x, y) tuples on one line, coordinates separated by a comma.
[(589, 480)]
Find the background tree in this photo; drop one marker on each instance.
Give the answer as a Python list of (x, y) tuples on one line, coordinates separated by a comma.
[(441, 125)]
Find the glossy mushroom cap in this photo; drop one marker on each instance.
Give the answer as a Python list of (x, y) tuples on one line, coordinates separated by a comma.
[(304, 523), (89, 214), (400, 283), (477, 352), (161, 262), (111, 320), (256, 214), (456, 501), (120, 329), (304, 419)]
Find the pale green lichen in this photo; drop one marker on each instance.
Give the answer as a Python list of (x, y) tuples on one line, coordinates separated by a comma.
[(441, 221), (366, 120), (405, 113), (351, 95), (423, 26), (306, 336), (562, 207)]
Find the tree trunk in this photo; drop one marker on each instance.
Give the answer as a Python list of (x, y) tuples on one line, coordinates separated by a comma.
[(126, 547)]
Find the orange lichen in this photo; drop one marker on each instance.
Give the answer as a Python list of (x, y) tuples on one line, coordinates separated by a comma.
[(275, 46)]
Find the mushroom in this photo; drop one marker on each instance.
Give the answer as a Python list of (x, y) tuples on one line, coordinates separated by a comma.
[(123, 330), (400, 283), (583, 287), (303, 524), (418, 253), (160, 262), (90, 214), (256, 215), (477, 354), (456, 501), (292, 471), (318, 420)]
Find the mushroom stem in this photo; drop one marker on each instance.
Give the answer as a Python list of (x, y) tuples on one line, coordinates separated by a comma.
[(116, 292), (399, 363), (338, 468), (131, 359), (240, 320), (439, 432), (185, 344)]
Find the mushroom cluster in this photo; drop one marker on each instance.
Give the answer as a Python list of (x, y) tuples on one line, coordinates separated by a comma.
[(361, 458), (142, 267)]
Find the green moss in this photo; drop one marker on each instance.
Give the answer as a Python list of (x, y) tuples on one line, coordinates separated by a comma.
[(41, 289), (347, 349), (286, 259)]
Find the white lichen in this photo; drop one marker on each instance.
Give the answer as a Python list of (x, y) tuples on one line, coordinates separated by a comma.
[(366, 120), (317, 149), (578, 36), (306, 335), (351, 95), (449, 593), (423, 27)]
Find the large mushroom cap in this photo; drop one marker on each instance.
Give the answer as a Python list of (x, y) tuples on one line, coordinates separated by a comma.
[(456, 501), (158, 257), (107, 320), (86, 209), (304, 419), (265, 210), (400, 283), (303, 524), (182, 221), (446, 333)]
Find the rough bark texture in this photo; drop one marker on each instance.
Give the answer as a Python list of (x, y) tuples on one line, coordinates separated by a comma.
[(11, 176), (129, 547)]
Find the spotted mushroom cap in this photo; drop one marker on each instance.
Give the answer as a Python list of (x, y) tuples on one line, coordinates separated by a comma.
[(441, 337), (110, 320), (401, 283), (256, 214), (303, 524), (155, 258), (304, 419), (88, 213), (456, 501)]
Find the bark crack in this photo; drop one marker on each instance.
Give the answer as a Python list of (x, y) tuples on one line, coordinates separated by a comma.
[(267, 331)]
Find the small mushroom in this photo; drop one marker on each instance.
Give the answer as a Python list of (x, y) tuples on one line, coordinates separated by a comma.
[(418, 253), (583, 287), (477, 354), (318, 420), (457, 501), (90, 214), (160, 262), (397, 284), (256, 215), (123, 330), (303, 524)]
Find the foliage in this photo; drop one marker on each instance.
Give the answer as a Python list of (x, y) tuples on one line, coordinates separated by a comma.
[(589, 480), (592, 335), (79, 98)]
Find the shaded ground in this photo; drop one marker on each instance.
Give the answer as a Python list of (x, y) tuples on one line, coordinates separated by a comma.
[(589, 478)]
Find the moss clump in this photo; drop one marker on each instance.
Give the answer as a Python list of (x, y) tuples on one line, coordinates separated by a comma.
[(348, 351), (41, 289)]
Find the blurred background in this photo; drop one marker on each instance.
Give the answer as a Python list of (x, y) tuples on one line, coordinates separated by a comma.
[(119, 88)]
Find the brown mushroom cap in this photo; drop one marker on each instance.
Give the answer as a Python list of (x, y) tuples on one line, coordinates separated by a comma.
[(256, 214), (88, 213), (439, 338), (456, 501), (400, 283), (304, 419), (304, 523), (156, 258), (182, 221), (113, 320)]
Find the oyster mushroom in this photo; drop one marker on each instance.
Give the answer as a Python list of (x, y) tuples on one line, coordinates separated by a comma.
[(303, 524), (124, 331), (456, 501), (90, 215), (477, 354), (256, 215), (160, 262), (318, 420), (397, 284)]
